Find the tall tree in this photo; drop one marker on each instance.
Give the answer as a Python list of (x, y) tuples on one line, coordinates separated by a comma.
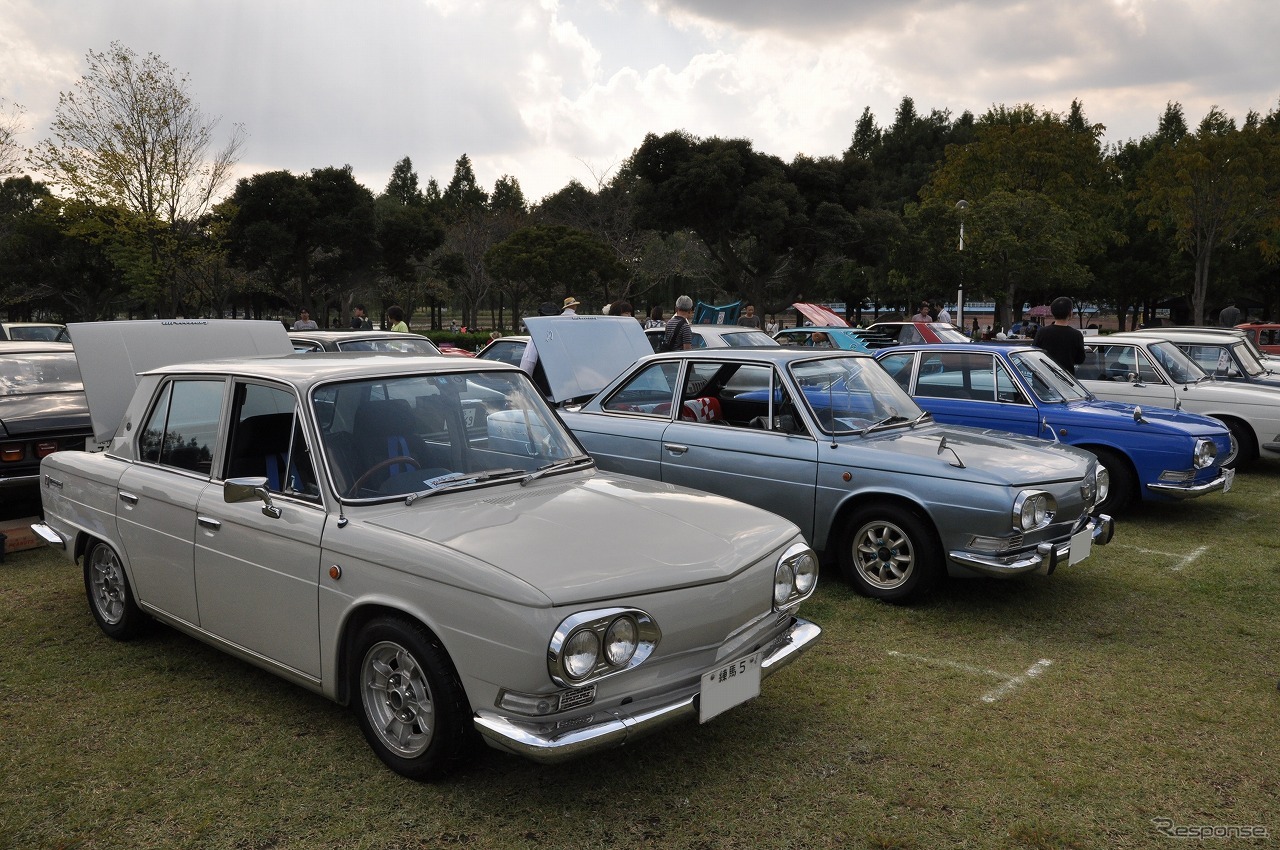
[(130, 135), (10, 127), (408, 230), (552, 262), (1214, 189)]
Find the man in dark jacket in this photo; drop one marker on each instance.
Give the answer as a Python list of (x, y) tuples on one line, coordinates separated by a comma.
[(1062, 342)]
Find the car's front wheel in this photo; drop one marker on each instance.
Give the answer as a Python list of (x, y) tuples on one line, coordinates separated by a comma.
[(412, 709), (110, 596), (889, 553), (1123, 487)]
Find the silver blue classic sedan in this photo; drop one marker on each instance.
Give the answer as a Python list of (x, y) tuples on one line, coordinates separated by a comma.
[(829, 441)]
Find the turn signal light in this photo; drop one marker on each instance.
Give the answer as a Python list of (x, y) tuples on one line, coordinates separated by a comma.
[(11, 452)]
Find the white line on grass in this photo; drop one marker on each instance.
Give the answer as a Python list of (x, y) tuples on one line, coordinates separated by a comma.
[(1008, 684), (1184, 559)]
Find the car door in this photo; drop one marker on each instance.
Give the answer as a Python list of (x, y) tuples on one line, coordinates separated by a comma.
[(625, 434), (157, 499), (257, 568), (976, 389), (1125, 372), (733, 453)]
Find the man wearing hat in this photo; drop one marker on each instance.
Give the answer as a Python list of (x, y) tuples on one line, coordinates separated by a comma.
[(569, 304), (305, 322)]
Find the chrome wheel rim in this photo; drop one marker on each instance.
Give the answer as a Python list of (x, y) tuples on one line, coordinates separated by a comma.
[(883, 555), (397, 699), (107, 585)]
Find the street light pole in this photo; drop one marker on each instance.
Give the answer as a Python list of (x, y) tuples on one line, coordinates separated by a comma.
[(961, 205)]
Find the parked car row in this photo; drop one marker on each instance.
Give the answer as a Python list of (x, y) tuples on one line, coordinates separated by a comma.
[(427, 540)]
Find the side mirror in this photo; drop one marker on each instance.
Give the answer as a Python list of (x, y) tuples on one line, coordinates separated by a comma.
[(246, 489)]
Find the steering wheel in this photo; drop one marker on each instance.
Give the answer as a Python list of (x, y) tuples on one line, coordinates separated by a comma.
[(378, 467)]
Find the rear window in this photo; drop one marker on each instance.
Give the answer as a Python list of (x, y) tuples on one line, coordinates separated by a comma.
[(45, 372)]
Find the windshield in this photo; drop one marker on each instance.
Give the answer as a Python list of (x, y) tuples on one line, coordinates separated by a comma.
[(740, 339), (1047, 379), (407, 434), (44, 372), (1251, 365), (1181, 368), (411, 345), (851, 394), (948, 333)]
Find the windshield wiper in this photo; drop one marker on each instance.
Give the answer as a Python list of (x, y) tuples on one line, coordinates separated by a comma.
[(556, 466), (925, 416), (456, 479), (888, 420)]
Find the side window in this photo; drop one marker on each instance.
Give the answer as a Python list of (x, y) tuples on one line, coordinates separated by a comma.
[(1147, 372), (183, 426), (910, 335), (649, 391), (1007, 389), (267, 441), (899, 368), (960, 375)]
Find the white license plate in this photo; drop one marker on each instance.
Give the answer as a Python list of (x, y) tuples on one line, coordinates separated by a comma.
[(1081, 544), (1228, 476), (729, 685)]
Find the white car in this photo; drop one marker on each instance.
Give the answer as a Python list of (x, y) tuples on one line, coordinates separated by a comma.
[(1145, 368), (416, 537)]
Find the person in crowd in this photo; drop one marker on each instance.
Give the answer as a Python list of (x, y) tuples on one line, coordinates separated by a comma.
[(570, 306), (974, 333), (395, 320), (655, 319), (770, 325), (749, 319), (360, 320), (1060, 340), (678, 335), (305, 322), (943, 314), (622, 308), (922, 315), (1229, 317)]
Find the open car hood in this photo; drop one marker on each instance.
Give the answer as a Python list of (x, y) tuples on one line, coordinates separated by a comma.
[(581, 354), (821, 316), (112, 354)]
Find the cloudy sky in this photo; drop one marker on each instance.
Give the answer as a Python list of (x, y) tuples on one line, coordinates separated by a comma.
[(553, 90)]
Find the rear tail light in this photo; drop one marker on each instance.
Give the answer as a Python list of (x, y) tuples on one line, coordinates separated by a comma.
[(11, 452), (46, 448)]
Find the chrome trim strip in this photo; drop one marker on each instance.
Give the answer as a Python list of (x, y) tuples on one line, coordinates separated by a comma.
[(1045, 559)]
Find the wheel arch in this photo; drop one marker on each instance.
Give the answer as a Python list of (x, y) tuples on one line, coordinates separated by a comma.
[(355, 620), (1120, 453), (1243, 432), (839, 521)]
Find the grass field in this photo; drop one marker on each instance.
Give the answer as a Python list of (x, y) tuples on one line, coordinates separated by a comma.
[(1120, 703)]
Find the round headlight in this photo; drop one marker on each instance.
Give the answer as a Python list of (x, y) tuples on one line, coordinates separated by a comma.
[(581, 653), (1104, 485), (783, 581), (1205, 453), (621, 640), (806, 568)]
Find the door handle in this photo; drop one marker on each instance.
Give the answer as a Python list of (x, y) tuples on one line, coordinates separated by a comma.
[(128, 498), (209, 522), (675, 448)]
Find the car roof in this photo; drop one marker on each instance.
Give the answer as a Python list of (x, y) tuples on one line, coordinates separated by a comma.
[(351, 333), (1198, 334)]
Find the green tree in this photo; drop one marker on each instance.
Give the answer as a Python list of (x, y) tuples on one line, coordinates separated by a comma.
[(408, 230), (1021, 162), (11, 125), (130, 135), (1212, 190), (553, 261)]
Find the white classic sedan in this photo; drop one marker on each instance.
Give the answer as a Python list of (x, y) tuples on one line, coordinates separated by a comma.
[(419, 538)]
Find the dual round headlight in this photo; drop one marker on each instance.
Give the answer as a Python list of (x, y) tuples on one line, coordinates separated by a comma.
[(597, 643), (795, 575), (1033, 509)]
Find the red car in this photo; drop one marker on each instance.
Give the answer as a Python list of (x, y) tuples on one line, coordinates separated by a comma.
[(1264, 335), (917, 333)]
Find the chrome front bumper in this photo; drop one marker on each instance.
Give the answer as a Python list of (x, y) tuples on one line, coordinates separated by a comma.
[(1190, 491), (550, 742), (1044, 559)]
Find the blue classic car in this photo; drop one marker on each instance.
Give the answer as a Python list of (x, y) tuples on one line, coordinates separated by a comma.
[(1151, 453)]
